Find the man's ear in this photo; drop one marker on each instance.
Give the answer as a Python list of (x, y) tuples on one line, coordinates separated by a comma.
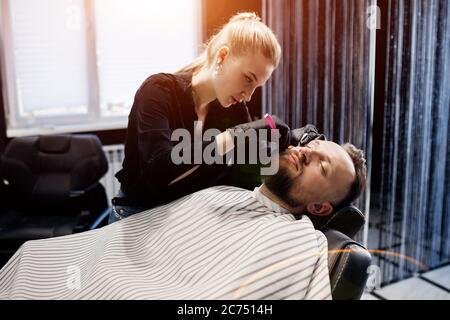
[(320, 209), (222, 53)]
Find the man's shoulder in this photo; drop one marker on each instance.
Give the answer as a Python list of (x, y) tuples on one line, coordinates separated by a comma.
[(221, 196), (225, 189), (307, 223)]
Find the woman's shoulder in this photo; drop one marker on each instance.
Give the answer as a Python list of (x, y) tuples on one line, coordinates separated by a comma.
[(161, 78), (169, 84), (168, 79)]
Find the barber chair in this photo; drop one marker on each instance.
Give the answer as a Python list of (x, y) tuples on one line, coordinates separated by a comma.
[(348, 260), (50, 187)]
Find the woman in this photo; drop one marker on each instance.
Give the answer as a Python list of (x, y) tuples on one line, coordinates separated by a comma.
[(208, 93)]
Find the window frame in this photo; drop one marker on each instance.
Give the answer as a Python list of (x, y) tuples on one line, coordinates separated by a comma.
[(17, 125)]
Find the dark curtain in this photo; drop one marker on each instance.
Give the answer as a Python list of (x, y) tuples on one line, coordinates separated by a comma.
[(414, 205), (324, 77)]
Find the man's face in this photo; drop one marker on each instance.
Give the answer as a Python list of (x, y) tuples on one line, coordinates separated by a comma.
[(317, 173), (239, 78)]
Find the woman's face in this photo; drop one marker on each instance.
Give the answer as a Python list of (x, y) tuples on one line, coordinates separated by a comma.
[(239, 77)]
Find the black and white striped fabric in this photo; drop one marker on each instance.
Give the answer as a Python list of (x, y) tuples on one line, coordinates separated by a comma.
[(218, 243)]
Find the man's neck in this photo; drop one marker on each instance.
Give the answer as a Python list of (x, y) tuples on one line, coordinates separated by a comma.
[(203, 92), (265, 191)]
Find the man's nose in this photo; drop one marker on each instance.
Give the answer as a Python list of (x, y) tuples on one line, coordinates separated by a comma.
[(302, 154), (308, 154)]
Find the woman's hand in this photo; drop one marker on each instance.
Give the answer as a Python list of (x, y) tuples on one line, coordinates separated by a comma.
[(261, 124), (303, 135)]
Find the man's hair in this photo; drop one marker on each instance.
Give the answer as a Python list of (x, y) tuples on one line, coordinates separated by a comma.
[(359, 184)]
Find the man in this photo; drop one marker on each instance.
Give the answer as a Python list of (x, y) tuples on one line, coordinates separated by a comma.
[(219, 243), (318, 178)]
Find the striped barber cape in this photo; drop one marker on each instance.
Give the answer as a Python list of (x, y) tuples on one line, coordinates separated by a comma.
[(218, 243)]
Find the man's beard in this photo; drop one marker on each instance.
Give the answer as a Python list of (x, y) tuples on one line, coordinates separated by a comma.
[(280, 184)]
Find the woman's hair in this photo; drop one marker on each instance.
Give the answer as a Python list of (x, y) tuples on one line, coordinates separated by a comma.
[(243, 34)]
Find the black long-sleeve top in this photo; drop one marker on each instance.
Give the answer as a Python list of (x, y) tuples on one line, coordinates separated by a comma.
[(162, 104)]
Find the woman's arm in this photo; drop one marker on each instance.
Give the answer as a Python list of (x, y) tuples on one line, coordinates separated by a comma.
[(152, 119), (224, 143)]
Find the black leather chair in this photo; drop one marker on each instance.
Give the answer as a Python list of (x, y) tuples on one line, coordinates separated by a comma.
[(50, 187), (348, 260)]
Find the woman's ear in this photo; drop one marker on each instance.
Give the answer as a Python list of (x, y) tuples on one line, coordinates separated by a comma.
[(222, 54), (320, 209)]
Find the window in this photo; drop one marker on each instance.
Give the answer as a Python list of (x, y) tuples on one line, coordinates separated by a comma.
[(75, 65)]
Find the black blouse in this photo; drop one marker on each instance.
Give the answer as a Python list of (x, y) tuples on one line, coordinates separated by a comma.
[(162, 104)]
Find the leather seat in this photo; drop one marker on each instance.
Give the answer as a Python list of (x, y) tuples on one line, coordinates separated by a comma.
[(348, 260), (50, 187)]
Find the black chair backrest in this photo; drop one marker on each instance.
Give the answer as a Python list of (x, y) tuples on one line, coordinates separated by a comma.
[(348, 260), (52, 168)]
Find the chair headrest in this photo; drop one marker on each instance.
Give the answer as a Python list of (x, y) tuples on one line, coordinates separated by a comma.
[(48, 168), (348, 220), (54, 143)]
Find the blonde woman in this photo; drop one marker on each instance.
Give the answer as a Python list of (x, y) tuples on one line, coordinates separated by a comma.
[(212, 90)]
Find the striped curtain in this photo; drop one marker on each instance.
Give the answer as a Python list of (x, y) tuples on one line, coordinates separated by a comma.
[(414, 202), (325, 76)]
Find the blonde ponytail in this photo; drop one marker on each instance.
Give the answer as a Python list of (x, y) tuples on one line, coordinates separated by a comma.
[(195, 65), (245, 16), (244, 33)]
